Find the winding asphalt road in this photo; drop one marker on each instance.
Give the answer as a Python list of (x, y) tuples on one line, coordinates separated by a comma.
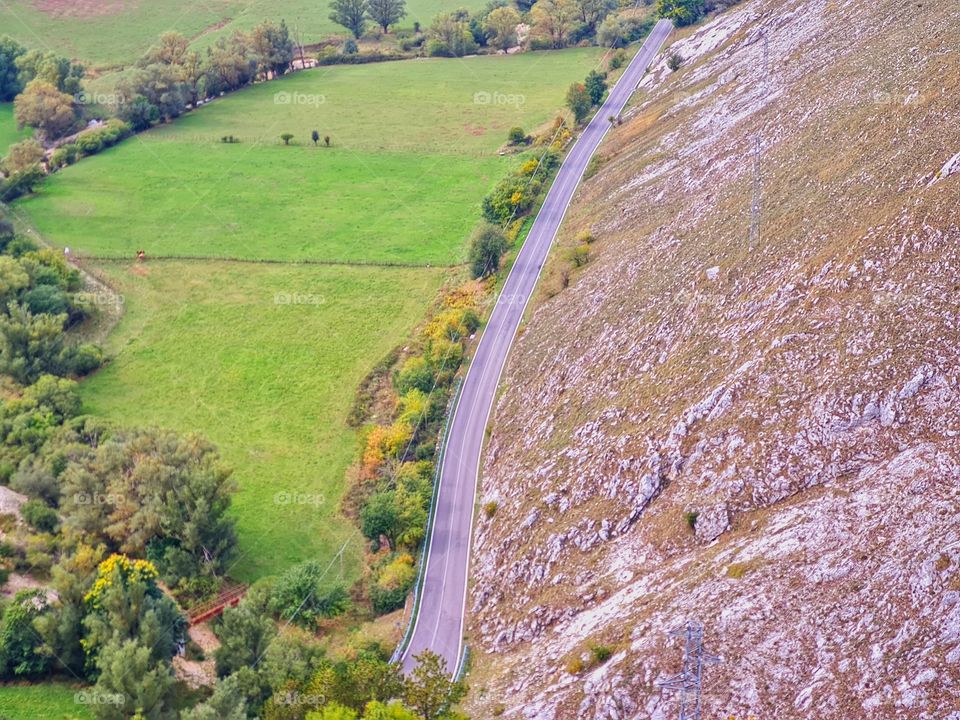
[(439, 623)]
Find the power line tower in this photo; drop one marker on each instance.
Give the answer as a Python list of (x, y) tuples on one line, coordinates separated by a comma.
[(757, 199), (688, 681)]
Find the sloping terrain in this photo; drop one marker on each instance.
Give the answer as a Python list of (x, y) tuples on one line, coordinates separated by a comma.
[(757, 430)]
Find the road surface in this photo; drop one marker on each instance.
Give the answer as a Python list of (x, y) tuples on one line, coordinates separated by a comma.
[(439, 623)]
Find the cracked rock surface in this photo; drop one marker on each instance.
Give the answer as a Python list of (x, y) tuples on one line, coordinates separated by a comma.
[(760, 431)]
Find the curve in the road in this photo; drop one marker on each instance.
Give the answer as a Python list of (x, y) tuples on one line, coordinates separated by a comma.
[(438, 625)]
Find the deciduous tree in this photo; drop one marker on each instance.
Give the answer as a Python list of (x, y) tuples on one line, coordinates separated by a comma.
[(351, 14), (42, 106), (23, 155), (429, 688), (386, 12), (10, 84), (64, 75), (579, 102), (553, 20), (502, 27)]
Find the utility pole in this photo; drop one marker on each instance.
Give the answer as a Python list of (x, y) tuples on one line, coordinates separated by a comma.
[(689, 680)]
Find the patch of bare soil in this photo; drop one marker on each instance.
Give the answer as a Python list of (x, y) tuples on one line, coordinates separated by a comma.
[(198, 673), (83, 8)]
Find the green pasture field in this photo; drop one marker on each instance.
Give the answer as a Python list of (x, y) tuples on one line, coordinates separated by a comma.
[(210, 344), (110, 33), (44, 701), (413, 151), (8, 128), (216, 348)]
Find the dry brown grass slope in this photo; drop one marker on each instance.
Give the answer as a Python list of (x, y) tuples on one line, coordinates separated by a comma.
[(798, 393)]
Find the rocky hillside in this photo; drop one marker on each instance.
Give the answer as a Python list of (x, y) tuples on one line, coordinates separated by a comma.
[(757, 429)]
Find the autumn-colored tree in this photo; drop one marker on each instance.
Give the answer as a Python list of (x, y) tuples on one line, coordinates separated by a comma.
[(429, 688), (23, 155), (45, 108), (502, 27), (553, 20)]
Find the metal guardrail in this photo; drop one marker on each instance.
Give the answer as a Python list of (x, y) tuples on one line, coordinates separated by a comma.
[(431, 517)]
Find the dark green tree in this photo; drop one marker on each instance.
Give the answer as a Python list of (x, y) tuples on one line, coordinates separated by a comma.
[(273, 48), (681, 12), (386, 12), (578, 100), (21, 647), (244, 632), (351, 14), (381, 516), (10, 84), (486, 248), (30, 345), (64, 75), (596, 85)]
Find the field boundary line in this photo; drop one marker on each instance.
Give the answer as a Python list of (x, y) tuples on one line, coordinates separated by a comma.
[(268, 261)]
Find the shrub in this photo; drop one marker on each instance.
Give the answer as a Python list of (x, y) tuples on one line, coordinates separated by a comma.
[(580, 255), (516, 136), (618, 60), (691, 519), (585, 237), (415, 373), (674, 62), (490, 508), (89, 143), (81, 359), (21, 183), (286, 137), (359, 58), (299, 598), (39, 515), (64, 155), (393, 582), (20, 645), (575, 665), (93, 141), (350, 47), (600, 653), (48, 299)]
